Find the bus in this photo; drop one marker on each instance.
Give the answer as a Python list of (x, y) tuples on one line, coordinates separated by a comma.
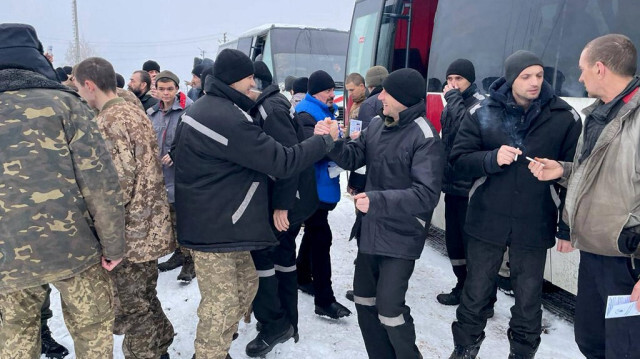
[(428, 35), (291, 50)]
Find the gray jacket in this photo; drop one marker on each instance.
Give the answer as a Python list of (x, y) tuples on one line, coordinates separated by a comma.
[(164, 125), (603, 192)]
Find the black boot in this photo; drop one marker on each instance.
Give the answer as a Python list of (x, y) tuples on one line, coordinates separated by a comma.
[(334, 310), (467, 351), (188, 271), (452, 298), (504, 284), (264, 343), (513, 355), (349, 295), (307, 288), (51, 348), (175, 261)]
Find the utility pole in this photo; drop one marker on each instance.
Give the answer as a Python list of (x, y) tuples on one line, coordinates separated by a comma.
[(76, 32), (202, 52), (224, 39)]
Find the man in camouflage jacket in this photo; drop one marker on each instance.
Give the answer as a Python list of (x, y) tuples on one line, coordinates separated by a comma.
[(130, 138), (61, 209)]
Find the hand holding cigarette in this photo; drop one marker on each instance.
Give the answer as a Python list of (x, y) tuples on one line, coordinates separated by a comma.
[(507, 155), (545, 169)]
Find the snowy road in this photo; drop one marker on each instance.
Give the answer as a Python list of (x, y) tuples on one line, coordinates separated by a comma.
[(327, 339)]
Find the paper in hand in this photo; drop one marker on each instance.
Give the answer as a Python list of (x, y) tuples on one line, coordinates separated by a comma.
[(620, 306)]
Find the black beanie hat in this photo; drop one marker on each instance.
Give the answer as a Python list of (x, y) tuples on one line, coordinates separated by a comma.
[(119, 81), (262, 73), (232, 66), (406, 86), (320, 81), (197, 70), (464, 68), (21, 49), (288, 83), (68, 70), (62, 76), (518, 61), (150, 65), (300, 85)]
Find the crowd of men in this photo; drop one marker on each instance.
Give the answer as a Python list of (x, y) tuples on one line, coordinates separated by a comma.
[(99, 182)]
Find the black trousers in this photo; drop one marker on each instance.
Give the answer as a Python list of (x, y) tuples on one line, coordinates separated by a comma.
[(455, 212), (599, 277), (527, 275), (276, 302), (379, 286), (314, 257)]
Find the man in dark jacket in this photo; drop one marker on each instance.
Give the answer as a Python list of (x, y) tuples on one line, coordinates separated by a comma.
[(222, 160), (507, 206), (405, 160), (292, 200), (140, 85), (314, 257), (461, 94)]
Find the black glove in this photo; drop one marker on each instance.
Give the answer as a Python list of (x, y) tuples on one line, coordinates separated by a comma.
[(628, 241)]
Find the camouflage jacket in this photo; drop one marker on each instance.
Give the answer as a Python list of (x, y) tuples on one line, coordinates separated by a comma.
[(130, 139), (60, 203), (129, 97)]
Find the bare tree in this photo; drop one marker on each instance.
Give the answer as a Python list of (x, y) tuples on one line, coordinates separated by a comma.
[(85, 50)]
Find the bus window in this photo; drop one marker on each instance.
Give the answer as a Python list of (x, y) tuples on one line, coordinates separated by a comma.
[(244, 45), (362, 38), (486, 32)]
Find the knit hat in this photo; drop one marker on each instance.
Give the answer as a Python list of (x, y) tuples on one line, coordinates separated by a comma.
[(320, 81), (21, 49), (232, 66), (119, 81), (197, 70), (517, 62), (375, 76), (262, 73), (62, 76), (406, 86), (464, 68), (288, 83), (167, 75), (67, 70), (150, 65), (300, 85)]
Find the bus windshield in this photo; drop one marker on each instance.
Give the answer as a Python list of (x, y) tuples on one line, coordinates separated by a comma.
[(299, 52), (362, 40), (486, 32)]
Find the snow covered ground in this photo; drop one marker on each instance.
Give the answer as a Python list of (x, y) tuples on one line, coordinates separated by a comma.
[(328, 339)]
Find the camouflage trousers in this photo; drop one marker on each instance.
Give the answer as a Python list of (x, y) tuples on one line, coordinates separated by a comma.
[(228, 283), (139, 315), (174, 229), (87, 305)]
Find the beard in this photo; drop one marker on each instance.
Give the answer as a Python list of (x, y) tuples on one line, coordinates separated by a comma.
[(136, 92)]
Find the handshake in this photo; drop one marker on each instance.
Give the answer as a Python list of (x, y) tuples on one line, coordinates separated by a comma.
[(327, 127)]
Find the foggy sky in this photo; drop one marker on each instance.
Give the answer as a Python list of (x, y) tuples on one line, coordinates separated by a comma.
[(127, 33)]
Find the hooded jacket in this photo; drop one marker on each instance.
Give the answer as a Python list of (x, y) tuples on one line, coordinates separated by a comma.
[(602, 193), (508, 205), (222, 158), (309, 112), (296, 194), (404, 175), (457, 109), (61, 204)]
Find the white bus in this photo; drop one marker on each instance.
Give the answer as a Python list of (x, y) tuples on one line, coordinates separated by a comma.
[(428, 35)]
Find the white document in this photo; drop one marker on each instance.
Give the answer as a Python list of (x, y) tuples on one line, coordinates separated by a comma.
[(355, 126), (619, 306)]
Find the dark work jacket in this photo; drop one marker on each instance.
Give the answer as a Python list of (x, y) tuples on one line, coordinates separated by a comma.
[(404, 176), (222, 160), (370, 108), (296, 194), (508, 205), (148, 101), (457, 109)]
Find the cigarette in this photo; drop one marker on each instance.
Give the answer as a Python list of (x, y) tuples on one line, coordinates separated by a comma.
[(516, 158), (532, 160)]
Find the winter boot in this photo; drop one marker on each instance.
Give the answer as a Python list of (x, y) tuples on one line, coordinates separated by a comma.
[(349, 295), (264, 343), (504, 284), (307, 288), (176, 260), (50, 348), (165, 356), (188, 271), (513, 355), (334, 310), (452, 298), (467, 351)]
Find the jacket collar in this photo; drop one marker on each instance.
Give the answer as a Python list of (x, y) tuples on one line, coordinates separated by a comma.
[(407, 116), (376, 91), (18, 79), (267, 92)]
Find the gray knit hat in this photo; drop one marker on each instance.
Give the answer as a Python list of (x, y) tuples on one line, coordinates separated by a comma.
[(375, 76), (167, 75), (517, 62)]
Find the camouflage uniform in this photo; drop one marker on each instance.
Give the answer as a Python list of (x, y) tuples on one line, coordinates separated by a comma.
[(130, 97), (130, 138), (60, 211), (226, 293)]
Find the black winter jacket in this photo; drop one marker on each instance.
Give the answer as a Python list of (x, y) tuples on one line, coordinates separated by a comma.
[(404, 176), (222, 160), (297, 193), (508, 205), (370, 108), (148, 101), (457, 109)]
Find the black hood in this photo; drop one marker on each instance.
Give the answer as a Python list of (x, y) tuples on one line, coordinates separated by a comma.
[(21, 49), (215, 87)]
